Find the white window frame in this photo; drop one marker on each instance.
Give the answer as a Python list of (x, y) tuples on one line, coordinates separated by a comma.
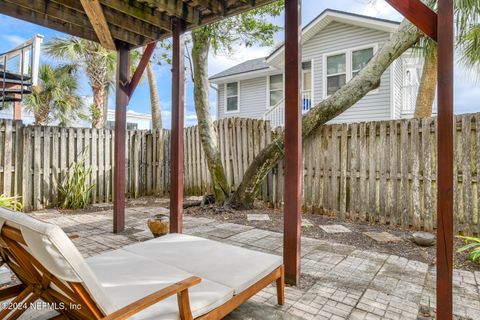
[(227, 96), (268, 88), (348, 65)]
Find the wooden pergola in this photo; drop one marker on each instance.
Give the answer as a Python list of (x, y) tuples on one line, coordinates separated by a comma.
[(123, 25)]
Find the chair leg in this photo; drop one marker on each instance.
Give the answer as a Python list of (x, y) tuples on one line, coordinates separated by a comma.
[(281, 287)]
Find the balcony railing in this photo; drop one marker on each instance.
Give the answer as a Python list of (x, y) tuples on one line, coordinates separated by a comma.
[(276, 114)]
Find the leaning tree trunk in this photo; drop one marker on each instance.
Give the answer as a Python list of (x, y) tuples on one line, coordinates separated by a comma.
[(208, 135), (367, 80), (154, 99), (428, 86)]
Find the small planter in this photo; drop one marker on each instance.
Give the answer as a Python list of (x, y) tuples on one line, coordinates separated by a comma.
[(159, 225)]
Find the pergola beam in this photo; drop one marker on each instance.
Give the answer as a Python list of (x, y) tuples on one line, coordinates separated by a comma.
[(215, 6), (177, 9), (178, 106), (293, 142), (419, 14), (122, 97), (137, 75), (94, 11), (445, 160), (152, 17)]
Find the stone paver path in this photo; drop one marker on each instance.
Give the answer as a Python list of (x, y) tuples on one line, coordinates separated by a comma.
[(335, 228), (346, 283)]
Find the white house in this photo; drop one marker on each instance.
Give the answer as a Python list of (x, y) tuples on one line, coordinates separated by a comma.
[(335, 47)]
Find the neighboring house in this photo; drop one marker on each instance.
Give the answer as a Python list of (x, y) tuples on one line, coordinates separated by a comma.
[(335, 47), (135, 120)]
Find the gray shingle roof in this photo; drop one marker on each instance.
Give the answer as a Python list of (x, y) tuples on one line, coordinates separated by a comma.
[(247, 66)]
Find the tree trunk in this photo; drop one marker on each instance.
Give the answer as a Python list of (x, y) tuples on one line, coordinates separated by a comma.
[(154, 99), (428, 86), (368, 79), (41, 115), (208, 135), (99, 93)]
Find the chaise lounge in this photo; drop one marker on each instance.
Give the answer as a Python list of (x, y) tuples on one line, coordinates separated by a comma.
[(168, 278)]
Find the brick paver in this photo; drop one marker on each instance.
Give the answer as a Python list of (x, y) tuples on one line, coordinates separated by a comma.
[(344, 283)]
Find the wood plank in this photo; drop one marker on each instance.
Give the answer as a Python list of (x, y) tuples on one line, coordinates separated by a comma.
[(404, 158), (37, 166), (467, 174), (353, 205), (415, 190), (47, 153), (101, 165), (27, 185), (94, 11), (363, 172), (343, 170), (393, 204), (427, 175), (19, 158), (383, 188), (8, 157), (334, 154), (372, 172)]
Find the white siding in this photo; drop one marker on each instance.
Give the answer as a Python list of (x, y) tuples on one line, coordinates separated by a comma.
[(337, 37), (253, 99), (398, 88), (334, 37)]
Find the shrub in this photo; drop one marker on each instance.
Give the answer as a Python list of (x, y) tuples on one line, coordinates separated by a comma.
[(12, 203), (472, 245), (74, 191)]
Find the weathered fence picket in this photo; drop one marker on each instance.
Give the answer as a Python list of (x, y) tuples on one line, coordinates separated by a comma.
[(381, 172)]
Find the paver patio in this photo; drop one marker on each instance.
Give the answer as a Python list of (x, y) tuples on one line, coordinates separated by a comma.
[(343, 282)]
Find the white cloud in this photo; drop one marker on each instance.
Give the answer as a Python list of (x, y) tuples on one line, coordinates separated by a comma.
[(15, 40), (221, 62)]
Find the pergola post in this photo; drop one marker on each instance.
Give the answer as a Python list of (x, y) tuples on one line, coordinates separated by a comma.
[(445, 131), (293, 143), (121, 101), (178, 105)]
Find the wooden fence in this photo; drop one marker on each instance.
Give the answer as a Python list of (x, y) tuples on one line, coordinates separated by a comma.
[(377, 171)]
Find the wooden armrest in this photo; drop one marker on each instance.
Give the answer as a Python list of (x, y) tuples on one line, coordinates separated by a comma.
[(145, 302)]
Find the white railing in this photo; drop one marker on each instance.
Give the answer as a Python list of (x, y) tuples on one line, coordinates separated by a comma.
[(276, 114), (409, 99)]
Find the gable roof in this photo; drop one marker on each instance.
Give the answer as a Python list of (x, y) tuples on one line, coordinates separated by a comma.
[(331, 15), (244, 67)]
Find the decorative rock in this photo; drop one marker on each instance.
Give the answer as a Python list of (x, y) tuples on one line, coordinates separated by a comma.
[(383, 237), (335, 228), (159, 225), (424, 239), (258, 217), (306, 223)]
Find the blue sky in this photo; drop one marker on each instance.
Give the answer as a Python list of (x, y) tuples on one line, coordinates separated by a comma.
[(467, 90)]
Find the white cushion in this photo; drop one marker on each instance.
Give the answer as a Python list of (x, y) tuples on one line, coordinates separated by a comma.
[(53, 249), (128, 277), (235, 267)]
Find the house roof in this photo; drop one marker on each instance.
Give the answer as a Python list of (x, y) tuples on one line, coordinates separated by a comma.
[(312, 28), (244, 67), (331, 15)]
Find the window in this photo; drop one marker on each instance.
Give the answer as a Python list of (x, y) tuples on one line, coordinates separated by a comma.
[(336, 72), (341, 67), (232, 97), (360, 58), (276, 89)]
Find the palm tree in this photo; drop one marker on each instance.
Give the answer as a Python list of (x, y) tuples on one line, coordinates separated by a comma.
[(55, 96), (467, 15), (154, 98), (99, 66)]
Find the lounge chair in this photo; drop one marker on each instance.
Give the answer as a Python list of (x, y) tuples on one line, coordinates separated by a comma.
[(168, 278)]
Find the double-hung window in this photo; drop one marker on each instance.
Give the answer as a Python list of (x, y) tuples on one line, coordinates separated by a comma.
[(232, 97), (276, 89), (341, 67)]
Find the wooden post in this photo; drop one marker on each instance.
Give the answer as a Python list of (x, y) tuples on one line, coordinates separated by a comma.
[(121, 102), (445, 160), (293, 142), (178, 105)]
